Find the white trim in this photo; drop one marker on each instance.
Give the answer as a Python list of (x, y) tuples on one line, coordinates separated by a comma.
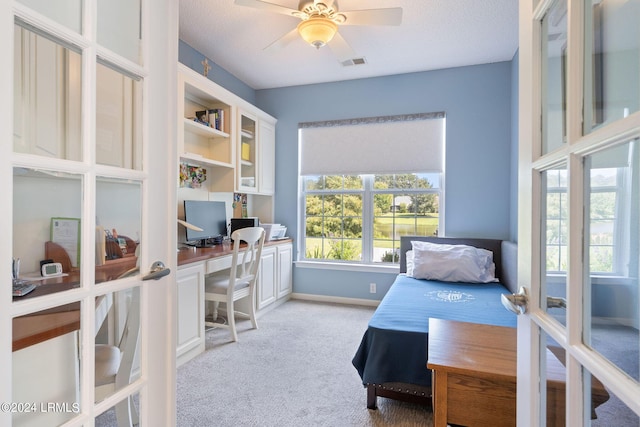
[(336, 300), (370, 268)]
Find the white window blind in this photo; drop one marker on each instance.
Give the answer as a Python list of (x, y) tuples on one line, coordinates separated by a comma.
[(376, 145)]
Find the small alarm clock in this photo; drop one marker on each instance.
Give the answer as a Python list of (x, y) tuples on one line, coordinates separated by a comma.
[(51, 269)]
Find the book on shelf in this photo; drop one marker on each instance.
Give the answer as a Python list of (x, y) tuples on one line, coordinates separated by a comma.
[(216, 118), (213, 118)]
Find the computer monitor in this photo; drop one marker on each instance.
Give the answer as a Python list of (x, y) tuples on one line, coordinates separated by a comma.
[(210, 216)]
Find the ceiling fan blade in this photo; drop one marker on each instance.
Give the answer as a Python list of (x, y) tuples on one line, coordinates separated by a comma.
[(263, 5), (341, 48), (390, 16), (328, 3), (283, 41)]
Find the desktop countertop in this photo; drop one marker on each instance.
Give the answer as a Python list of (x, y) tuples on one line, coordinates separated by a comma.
[(190, 255), (37, 327)]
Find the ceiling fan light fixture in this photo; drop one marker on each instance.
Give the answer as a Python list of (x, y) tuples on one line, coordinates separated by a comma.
[(317, 31)]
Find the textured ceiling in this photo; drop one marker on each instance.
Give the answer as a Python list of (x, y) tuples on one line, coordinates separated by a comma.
[(434, 34)]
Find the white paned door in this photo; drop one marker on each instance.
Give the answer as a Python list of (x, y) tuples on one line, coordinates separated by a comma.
[(87, 171), (579, 216)]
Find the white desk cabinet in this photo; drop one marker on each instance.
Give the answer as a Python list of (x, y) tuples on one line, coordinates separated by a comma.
[(190, 295), (273, 288), (266, 285), (285, 271)]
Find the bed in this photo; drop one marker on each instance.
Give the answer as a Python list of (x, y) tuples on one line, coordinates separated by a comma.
[(392, 355)]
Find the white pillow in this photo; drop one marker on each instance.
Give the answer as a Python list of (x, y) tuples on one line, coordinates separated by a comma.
[(452, 263), (409, 261)]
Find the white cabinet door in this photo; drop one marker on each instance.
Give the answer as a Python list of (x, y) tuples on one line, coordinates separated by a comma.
[(267, 152), (190, 295), (285, 270), (267, 279)]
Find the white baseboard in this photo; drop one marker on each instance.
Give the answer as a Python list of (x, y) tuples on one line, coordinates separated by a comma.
[(337, 300)]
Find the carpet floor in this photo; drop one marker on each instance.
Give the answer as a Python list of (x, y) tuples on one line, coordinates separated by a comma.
[(294, 370)]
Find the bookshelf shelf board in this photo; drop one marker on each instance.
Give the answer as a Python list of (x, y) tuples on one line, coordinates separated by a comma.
[(203, 161), (192, 126)]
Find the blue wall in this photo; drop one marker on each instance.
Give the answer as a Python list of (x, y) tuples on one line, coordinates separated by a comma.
[(477, 101), (193, 59), (515, 62)]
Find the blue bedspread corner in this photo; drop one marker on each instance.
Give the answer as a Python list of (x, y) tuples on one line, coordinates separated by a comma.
[(394, 346)]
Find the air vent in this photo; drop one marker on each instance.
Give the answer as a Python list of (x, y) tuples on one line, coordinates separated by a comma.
[(354, 61)]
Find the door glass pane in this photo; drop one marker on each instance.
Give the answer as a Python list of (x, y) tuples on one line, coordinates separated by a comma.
[(119, 415), (553, 359), (44, 396), (119, 28), (554, 76), (118, 97), (554, 228), (67, 13), (46, 229), (47, 96), (603, 408), (117, 337), (612, 61), (119, 219), (612, 317)]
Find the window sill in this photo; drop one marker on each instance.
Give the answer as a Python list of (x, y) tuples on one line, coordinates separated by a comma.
[(369, 268), (597, 279)]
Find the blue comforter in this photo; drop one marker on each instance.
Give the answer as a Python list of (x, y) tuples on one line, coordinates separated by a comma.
[(394, 346)]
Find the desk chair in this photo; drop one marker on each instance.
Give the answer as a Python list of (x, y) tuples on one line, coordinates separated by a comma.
[(114, 364), (241, 281)]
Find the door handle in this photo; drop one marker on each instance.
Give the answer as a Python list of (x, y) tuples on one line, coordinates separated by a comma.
[(158, 270), (556, 302), (516, 303)]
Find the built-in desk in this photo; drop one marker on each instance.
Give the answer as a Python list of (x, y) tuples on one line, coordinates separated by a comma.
[(188, 255), (274, 286), (34, 328)]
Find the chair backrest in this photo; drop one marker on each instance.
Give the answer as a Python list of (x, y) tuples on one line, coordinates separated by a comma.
[(247, 268), (129, 339)]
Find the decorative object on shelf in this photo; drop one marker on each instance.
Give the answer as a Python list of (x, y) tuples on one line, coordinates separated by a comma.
[(66, 233), (246, 151), (207, 67), (239, 205), (192, 176)]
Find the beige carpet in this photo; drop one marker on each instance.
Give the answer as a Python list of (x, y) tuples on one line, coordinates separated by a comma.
[(295, 370)]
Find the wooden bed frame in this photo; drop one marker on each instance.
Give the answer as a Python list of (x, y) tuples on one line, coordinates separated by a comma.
[(505, 257)]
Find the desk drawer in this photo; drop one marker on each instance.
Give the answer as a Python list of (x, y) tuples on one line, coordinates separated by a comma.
[(218, 264)]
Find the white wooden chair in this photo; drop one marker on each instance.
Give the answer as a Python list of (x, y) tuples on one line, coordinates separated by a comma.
[(114, 364), (241, 281)]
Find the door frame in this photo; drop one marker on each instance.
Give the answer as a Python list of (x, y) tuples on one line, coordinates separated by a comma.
[(530, 162), (158, 308)]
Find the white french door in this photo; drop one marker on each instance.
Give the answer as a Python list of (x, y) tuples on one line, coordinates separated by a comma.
[(579, 215), (88, 176)]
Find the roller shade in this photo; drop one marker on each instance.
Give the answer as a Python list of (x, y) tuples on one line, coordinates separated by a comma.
[(388, 144)]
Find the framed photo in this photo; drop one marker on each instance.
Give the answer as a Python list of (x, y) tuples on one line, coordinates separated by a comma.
[(66, 233)]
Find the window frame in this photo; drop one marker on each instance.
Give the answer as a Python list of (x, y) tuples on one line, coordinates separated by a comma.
[(619, 247)]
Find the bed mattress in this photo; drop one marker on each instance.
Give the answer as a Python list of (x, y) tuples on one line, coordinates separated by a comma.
[(394, 346)]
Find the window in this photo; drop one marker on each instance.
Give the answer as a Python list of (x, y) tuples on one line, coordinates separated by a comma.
[(338, 208), (557, 219), (360, 190), (608, 198)]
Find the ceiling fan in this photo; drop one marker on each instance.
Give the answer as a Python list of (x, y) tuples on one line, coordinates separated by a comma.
[(320, 20)]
